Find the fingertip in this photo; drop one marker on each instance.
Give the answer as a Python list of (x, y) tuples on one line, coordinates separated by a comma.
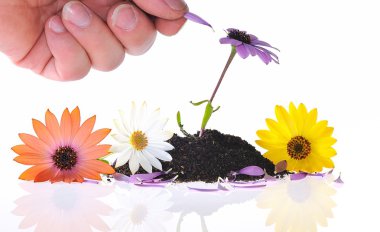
[(132, 27), (69, 60), (169, 27)]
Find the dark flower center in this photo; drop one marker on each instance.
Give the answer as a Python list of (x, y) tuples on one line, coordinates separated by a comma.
[(65, 158), (298, 148), (239, 35)]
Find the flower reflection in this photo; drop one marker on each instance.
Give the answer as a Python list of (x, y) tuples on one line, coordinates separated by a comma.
[(298, 205), (63, 207), (205, 204), (142, 210)]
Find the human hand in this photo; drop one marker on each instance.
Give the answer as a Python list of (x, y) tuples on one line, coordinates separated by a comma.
[(63, 39)]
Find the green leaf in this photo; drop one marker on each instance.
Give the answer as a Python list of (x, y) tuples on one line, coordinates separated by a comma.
[(179, 120), (217, 108), (208, 112), (198, 103), (104, 161)]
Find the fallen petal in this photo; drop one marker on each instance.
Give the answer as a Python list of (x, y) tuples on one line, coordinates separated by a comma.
[(339, 180), (298, 176), (195, 18), (252, 171)]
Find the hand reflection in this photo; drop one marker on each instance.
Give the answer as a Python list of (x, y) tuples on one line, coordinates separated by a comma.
[(63, 207), (142, 209), (298, 206)]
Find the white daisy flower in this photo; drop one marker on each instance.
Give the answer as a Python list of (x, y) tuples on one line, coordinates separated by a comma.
[(141, 140)]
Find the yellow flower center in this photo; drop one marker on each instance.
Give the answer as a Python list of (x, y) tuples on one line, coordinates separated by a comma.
[(138, 140), (298, 148)]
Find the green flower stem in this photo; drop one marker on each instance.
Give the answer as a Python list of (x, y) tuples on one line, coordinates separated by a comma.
[(229, 61), (209, 109)]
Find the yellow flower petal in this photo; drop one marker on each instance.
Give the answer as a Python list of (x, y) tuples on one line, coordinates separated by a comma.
[(283, 118)]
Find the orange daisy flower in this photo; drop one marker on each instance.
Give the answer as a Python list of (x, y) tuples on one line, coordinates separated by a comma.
[(65, 151)]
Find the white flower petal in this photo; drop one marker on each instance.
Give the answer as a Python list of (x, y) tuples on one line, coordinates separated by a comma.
[(160, 136), (120, 138), (134, 162), (145, 164), (123, 158), (119, 147), (124, 122), (140, 119), (157, 125), (162, 155), (153, 160), (161, 145), (132, 117)]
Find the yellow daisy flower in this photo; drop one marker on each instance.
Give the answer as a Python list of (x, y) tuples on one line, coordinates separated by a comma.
[(299, 139)]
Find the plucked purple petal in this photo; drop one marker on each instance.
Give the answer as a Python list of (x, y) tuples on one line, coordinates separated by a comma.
[(252, 171), (281, 166), (195, 18), (227, 40), (339, 179), (298, 176), (249, 185), (242, 51)]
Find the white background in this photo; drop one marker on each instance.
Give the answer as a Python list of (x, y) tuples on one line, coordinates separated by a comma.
[(328, 59)]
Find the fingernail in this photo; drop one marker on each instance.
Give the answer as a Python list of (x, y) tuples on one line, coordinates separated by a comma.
[(124, 17), (56, 25), (77, 13), (176, 4)]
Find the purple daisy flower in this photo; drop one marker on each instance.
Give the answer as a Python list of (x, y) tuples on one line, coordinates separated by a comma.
[(247, 44)]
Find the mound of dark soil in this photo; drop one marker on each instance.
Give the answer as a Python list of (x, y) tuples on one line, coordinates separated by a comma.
[(209, 157)]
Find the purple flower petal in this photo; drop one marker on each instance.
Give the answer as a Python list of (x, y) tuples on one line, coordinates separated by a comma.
[(195, 18), (242, 51), (121, 177), (252, 50), (262, 43), (227, 40), (339, 180), (252, 37), (298, 176), (249, 185), (263, 56), (281, 166), (272, 56), (252, 171), (136, 178)]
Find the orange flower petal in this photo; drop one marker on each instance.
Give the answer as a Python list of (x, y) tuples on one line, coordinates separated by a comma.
[(96, 137), (95, 152), (53, 126), (43, 133), (32, 160), (89, 173), (35, 143), (32, 172), (66, 127), (45, 175), (99, 166), (84, 131), (23, 149), (75, 120)]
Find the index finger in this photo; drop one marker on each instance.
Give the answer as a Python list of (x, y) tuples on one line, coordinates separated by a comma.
[(165, 9)]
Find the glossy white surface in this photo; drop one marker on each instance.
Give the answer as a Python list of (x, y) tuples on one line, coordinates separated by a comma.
[(303, 205), (329, 60)]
